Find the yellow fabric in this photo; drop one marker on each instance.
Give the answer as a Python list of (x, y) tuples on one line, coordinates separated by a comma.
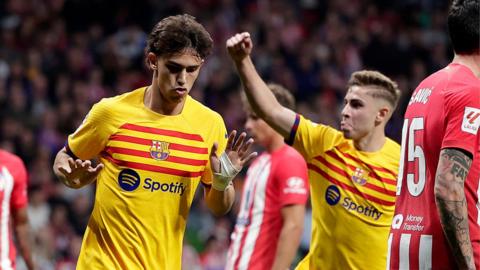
[(353, 199), (153, 165)]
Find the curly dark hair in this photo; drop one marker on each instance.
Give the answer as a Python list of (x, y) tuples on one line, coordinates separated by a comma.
[(175, 34)]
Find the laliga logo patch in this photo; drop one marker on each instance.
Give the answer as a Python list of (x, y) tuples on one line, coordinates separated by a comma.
[(471, 120), (159, 150), (358, 178)]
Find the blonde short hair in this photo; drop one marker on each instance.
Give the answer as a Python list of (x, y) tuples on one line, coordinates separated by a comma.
[(385, 87)]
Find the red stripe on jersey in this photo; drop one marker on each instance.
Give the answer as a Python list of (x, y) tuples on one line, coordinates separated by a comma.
[(373, 168), (152, 168), (353, 168), (347, 187), (171, 146), (165, 132), (138, 153), (344, 173)]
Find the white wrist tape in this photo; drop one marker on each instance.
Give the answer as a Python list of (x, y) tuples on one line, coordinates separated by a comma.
[(222, 179)]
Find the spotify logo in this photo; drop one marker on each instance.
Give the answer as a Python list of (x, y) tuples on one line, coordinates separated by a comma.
[(128, 179), (332, 196)]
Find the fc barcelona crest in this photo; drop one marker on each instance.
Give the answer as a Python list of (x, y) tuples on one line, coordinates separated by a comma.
[(358, 177), (159, 150)]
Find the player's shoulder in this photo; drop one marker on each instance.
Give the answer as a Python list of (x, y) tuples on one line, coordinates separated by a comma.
[(9, 158), (314, 128), (391, 150), (5, 155), (125, 98), (461, 73), (194, 108), (453, 78), (289, 154), (119, 103), (462, 76)]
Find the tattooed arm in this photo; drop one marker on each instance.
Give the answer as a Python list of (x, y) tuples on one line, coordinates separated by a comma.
[(452, 170)]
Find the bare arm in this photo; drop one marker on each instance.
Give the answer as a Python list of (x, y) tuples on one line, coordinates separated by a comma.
[(74, 173), (290, 235), (261, 99), (452, 170), (22, 234), (220, 200)]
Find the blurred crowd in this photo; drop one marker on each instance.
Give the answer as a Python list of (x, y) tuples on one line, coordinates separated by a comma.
[(58, 57)]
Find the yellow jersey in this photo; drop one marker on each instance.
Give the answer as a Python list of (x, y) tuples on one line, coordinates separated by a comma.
[(353, 198), (153, 165)]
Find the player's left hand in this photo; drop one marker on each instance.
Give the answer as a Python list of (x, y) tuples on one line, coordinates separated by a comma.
[(236, 150)]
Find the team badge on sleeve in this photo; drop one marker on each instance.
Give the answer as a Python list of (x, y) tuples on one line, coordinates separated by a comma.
[(295, 185), (471, 120), (159, 150)]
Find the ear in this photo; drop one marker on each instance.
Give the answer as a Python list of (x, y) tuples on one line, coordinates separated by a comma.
[(383, 114), (152, 61)]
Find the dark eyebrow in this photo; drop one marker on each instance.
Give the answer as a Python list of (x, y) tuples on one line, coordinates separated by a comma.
[(357, 100), (353, 100), (175, 64)]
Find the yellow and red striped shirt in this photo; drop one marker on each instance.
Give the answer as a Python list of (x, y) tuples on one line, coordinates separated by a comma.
[(153, 165), (353, 198)]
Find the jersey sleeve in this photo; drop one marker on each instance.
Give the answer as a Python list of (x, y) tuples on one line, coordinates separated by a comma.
[(19, 197), (220, 136), (310, 138), (292, 180), (462, 117), (92, 135)]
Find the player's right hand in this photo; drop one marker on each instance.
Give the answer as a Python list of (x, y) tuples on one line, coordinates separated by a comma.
[(79, 173), (239, 46)]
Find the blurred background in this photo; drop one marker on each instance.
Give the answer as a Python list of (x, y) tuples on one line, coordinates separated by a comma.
[(59, 57)]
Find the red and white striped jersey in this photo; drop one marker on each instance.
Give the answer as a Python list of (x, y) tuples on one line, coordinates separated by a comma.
[(273, 181), (13, 195), (444, 112)]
